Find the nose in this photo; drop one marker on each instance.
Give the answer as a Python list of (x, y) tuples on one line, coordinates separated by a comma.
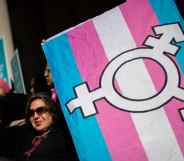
[(35, 115)]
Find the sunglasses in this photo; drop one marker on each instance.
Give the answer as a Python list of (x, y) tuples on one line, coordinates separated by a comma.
[(40, 110)]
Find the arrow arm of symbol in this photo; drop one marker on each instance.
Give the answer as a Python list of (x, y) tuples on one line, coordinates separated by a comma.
[(170, 32)]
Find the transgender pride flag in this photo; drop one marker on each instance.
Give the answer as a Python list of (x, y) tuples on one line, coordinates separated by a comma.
[(119, 78)]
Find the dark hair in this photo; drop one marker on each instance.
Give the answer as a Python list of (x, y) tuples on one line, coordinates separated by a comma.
[(47, 100)]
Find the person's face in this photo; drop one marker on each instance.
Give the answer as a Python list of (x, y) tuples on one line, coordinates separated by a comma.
[(48, 76), (40, 117)]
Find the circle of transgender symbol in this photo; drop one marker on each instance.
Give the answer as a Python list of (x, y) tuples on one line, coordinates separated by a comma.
[(156, 49)]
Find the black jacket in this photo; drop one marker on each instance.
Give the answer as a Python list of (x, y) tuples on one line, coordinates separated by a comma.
[(53, 148)]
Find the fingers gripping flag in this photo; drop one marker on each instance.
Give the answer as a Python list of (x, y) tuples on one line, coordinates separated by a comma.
[(119, 78)]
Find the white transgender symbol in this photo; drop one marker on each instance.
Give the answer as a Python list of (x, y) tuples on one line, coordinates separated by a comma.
[(155, 49)]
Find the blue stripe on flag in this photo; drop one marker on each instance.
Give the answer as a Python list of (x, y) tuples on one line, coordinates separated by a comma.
[(167, 12), (86, 134)]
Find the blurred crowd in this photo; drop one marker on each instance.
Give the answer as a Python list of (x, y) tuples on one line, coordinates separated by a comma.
[(32, 126)]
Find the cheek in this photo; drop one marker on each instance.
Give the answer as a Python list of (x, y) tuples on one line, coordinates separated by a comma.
[(47, 118)]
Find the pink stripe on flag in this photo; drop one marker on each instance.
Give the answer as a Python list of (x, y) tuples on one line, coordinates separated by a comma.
[(140, 29), (140, 18), (172, 107), (116, 126), (155, 71)]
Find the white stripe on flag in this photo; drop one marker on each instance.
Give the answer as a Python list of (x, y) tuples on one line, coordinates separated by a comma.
[(153, 127), (114, 37)]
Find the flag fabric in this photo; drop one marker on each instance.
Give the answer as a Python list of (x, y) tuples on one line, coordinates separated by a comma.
[(119, 78)]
